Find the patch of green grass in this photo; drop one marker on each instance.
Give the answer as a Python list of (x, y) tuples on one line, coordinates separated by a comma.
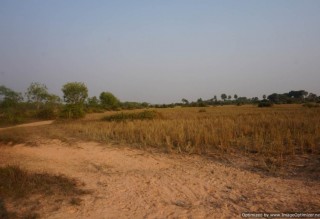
[(144, 115)]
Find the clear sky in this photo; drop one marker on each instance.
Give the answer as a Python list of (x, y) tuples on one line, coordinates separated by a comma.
[(161, 51)]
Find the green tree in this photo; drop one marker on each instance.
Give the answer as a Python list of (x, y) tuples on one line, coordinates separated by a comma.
[(108, 100), (185, 101), (229, 97), (215, 98), (75, 92), (93, 102), (235, 96), (37, 93), (8, 97), (224, 97)]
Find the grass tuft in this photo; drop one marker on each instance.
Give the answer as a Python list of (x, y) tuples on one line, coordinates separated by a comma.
[(144, 115)]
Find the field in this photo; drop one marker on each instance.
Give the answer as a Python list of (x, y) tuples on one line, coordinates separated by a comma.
[(272, 132), (179, 162)]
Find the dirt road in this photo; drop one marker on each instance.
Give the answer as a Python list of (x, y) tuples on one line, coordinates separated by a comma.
[(33, 124), (130, 183)]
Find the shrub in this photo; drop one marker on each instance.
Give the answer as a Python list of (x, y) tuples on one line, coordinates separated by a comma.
[(72, 111), (46, 113), (202, 110), (311, 105), (265, 104), (144, 115)]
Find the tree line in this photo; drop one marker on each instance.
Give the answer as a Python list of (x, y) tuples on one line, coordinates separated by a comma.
[(38, 103)]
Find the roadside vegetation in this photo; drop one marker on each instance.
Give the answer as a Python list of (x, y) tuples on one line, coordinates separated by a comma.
[(37, 103)]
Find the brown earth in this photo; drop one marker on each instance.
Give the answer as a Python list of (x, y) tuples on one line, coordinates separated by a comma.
[(132, 183)]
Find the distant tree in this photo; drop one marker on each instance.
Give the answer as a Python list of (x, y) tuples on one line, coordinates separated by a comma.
[(264, 96), (255, 99), (108, 100), (224, 97), (273, 97), (185, 101), (229, 97), (298, 94), (9, 97), (312, 97), (235, 96), (75, 93), (93, 102), (215, 98), (37, 93)]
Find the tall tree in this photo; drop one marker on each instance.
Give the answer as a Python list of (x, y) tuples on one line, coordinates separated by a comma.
[(108, 100), (75, 92), (185, 101), (224, 97), (235, 96), (37, 93), (9, 97)]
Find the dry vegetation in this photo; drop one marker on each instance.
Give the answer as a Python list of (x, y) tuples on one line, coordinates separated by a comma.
[(273, 132), (273, 136), (17, 184)]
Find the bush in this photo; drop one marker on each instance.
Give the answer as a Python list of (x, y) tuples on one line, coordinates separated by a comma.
[(145, 115), (265, 104), (311, 105), (202, 110), (46, 113), (72, 111)]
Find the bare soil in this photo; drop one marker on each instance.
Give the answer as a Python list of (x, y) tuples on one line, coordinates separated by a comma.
[(132, 183)]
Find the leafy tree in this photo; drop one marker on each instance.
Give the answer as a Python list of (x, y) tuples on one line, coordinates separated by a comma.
[(298, 94), (75, 93), (264, 96), (185, 101), (215, 98), (312, 97), (229, 97), (224, 97), (235, 96), (37, 93), (109, 101), (93, 102), (8, 97)]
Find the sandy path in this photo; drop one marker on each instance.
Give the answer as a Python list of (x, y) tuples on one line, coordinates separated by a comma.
[(32, 124), (129, 183)]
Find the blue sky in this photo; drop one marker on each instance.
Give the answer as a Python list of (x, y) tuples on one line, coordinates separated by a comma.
[(162, 51)]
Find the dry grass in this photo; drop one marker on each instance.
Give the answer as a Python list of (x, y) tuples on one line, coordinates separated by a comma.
[(278, 131), (18, 185), (272, 132)]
